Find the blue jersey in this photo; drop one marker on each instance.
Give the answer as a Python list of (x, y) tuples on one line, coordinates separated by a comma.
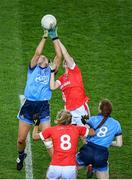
[(38, 84), (106, 133)]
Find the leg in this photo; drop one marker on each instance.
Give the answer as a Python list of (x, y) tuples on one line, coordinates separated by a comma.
[(102, 175), (89, 171), (42, 127), (21, 143), (22, 135)]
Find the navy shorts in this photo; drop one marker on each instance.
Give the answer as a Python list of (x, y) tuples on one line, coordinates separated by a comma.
[(93, 154), (30, 109)]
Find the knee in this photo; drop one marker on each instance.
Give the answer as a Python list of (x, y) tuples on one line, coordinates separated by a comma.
[(21, 140)]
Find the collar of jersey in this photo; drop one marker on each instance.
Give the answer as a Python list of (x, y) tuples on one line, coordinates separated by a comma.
[(102, 115), (42, 67)]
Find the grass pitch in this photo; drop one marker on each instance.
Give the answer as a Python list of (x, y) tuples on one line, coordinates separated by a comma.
[(98, 35)]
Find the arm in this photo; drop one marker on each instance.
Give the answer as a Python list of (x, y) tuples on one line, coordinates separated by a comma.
[(54, 36), (118, 141), (69, 60), (89, 131), (61, 48), (53, 84), (39, 50), (58, 57)]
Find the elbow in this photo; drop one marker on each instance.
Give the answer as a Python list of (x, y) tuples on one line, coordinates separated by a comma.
[(91, 132), (52, 88)]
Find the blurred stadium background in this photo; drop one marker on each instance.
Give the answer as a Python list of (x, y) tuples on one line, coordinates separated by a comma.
[(98, 34)]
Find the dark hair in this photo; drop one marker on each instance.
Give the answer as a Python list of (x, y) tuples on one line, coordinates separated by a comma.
[(105, 107), (64, 117)]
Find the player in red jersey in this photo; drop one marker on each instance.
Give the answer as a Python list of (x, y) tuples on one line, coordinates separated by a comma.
[(71, 85), (65, 140)]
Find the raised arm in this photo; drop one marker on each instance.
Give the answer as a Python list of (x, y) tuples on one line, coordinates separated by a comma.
[(118, 141), (69, 60), (58, 57), (39, 50), (54, 36)]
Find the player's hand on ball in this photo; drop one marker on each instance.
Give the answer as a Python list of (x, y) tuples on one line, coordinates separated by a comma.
[(84, 119), (53, 33), (45, 35)]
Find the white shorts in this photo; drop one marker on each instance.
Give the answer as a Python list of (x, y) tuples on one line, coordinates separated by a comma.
[(77, 113), (63, 172)]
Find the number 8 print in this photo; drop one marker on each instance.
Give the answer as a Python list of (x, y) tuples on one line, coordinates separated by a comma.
[(65, 142), (102, 132)]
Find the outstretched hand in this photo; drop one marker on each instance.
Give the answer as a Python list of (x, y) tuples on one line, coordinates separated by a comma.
[(84, 119), (53, 33)]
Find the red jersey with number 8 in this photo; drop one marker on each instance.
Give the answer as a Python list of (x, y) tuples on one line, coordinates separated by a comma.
[(65, 141)]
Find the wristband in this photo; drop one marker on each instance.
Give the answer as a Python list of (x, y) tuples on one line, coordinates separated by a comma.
[(53, 70), (54, 38), (44, 37)]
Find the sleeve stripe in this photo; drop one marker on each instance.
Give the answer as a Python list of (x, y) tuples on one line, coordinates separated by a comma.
[(87, 132), (58, 81), (118, 134), (73, 66), (41, 136), (31, 68)]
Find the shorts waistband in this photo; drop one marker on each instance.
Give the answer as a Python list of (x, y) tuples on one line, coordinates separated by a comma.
[(97, 146), (37, 101)]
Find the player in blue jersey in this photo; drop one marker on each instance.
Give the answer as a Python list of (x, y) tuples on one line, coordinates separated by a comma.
[(108, 132), (37, 95)]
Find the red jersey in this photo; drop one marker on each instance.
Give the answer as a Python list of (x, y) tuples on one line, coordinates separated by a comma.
[(65, 141), (72, 88)]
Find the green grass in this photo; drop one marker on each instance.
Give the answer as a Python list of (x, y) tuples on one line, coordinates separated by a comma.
[(98, 35)]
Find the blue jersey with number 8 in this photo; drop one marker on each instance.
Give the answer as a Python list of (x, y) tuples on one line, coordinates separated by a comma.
[(106, 133)]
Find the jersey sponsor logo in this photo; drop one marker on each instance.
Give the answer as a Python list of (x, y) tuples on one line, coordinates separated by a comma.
[(66, 84), (42, 79)]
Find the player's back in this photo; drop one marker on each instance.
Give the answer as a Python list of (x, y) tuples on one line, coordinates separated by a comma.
[(65, 140), (106, 133)]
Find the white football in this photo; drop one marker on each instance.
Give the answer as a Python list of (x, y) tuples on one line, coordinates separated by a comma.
[(48, 22)]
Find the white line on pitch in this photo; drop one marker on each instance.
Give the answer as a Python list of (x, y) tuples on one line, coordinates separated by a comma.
[(28, 150)]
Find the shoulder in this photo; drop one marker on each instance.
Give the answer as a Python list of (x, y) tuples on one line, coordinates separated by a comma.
[(74, 67), (114, 120), (94, 120), (31, 68), (81, 127), (60, 77)]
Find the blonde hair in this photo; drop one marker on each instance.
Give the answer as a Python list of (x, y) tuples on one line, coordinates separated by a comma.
[(64, 117)]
